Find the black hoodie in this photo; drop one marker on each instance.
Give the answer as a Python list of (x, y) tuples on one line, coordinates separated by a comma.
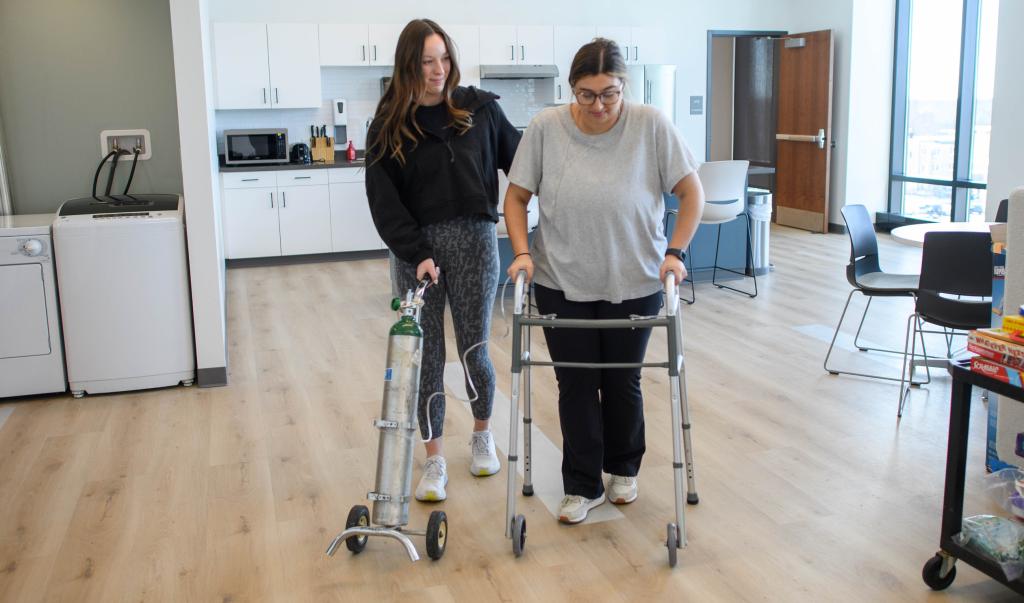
[(445, 176)]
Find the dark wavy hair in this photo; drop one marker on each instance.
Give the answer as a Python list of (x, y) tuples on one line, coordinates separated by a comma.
[(597, 57)]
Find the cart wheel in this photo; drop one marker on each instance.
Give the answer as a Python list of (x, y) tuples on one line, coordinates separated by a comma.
[(358, 516), (672, 542), (518, 535), (437, 534), (931, 576)]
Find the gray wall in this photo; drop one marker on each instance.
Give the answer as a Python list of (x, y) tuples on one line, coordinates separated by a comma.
[(69, 69)]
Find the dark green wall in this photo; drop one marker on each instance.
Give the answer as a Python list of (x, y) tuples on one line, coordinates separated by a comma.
[(69, 69)]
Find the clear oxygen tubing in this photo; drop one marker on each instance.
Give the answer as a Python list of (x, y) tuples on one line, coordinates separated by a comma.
[(465, 371)]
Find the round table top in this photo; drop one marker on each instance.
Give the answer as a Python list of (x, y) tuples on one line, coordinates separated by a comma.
[(913, 234)]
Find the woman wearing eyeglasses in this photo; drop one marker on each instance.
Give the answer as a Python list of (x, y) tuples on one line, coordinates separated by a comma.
[(600, 167)]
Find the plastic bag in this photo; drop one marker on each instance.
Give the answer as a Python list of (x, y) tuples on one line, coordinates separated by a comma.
[(997, 538), (1006, 488)]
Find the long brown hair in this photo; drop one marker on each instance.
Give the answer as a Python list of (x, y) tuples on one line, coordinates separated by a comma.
[(600, 56), (396, 112)]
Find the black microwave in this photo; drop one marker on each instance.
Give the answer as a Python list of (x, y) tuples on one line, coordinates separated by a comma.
[(256, 146)]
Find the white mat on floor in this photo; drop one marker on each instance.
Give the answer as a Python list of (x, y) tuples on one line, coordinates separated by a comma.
[(546, 460)]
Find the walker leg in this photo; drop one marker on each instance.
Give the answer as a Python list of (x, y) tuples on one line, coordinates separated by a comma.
[(513, 444), (527, 421)]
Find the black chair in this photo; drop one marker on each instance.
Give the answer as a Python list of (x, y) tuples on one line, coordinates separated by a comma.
[(954, 291), (1002, 210), (865, 274)]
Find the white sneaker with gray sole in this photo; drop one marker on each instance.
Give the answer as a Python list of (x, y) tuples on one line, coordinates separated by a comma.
[(574, 508)]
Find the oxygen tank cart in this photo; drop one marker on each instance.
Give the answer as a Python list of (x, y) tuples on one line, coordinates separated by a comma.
[(398, 435), (515, 525)]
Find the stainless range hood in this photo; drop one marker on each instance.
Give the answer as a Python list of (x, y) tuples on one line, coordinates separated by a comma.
[(517, 72)]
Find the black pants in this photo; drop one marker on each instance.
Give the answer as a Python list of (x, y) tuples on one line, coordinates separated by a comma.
[(600, 410)]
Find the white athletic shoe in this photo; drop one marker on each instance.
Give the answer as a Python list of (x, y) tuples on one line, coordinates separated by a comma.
[(485, 460), (435, 478), (622, 489), (574, 508)]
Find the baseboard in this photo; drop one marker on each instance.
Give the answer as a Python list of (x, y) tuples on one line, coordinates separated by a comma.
[(212, 377), (836, 228), (307, 259)]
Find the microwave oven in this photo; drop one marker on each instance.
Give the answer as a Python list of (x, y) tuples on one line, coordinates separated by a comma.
[(255, 146)]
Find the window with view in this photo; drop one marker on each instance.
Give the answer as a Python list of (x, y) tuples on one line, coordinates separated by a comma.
[(943, 76)]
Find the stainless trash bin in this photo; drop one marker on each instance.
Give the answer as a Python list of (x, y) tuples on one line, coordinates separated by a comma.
[(759, 207)]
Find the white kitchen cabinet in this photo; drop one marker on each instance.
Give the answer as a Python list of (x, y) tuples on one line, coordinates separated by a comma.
[(260, 66), (568, 39), (352, 227), (305, 215), (343, 45), (250, 223), (516, 45), (640, 45), (467, 43), (382, 42)]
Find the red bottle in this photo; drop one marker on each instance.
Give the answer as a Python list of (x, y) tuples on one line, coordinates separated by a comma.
[(350, 152)]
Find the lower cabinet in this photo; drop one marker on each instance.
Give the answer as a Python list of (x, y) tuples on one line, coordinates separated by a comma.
[(296, 212)]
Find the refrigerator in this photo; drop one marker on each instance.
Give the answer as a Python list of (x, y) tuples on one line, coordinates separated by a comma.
[(653, 85)]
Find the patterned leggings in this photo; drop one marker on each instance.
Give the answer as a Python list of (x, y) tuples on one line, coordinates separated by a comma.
[(466, 250)]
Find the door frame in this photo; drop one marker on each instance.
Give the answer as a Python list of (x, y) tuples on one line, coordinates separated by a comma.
[(721, 33)]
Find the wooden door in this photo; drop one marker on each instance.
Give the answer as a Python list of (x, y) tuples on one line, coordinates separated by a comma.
[(804, 130)]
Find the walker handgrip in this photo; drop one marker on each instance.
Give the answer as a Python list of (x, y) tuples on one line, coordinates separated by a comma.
[(520, 292), (671, 294)]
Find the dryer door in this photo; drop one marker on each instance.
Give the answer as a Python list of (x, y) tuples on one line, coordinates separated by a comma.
[(23, 323)]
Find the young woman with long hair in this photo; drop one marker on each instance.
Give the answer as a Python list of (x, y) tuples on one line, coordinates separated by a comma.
[(433, 154)]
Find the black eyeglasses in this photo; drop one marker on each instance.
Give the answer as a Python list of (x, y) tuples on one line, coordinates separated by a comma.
[(608, 97)]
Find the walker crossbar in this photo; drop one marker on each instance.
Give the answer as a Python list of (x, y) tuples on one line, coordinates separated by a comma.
[(515, 525)]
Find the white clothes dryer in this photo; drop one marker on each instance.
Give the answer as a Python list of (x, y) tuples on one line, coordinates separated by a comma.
[(31, 357)]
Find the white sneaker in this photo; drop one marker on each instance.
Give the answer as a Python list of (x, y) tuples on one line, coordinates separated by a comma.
[(485, 460), (574, 508), (622, 489), (435, 478)]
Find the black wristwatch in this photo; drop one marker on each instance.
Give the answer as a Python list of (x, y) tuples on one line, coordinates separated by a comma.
[(676, 253)]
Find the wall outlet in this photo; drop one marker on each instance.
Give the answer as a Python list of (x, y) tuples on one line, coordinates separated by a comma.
[(127, 140)]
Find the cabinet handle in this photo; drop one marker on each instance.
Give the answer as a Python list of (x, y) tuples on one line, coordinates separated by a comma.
[(364, 53), (284, 199), (522, 53), (271, 200), (264, 96), (250, 179), (636, 53), (627, 54), (559, 92), (513, 57), (277, 99), (374, 53), (302, 177)]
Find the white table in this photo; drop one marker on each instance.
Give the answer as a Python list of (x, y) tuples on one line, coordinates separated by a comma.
[(913, 234)]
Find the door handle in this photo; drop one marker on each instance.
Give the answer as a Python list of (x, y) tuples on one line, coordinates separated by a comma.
[(284, 199), (636, 53), (513, 57), (277, 97), (559, 92), (271, 200), (264, 96), (627, 54), (522, 53), (364, 53), (374, 53), (819, 139)]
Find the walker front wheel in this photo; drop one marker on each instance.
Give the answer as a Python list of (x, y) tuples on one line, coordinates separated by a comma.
[(672, 543), (437, 534), (518, 535), (358, 517)]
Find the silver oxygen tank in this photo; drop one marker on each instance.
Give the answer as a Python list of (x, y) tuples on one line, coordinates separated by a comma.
[(398, 422)]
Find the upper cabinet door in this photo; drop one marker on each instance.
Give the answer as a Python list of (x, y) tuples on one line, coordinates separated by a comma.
[(240, 66), (568, 40), (650, 46), (467, 44), (344, 45), (535, 45), (294, 65), (498, 45), (621, 36), (383, 40)]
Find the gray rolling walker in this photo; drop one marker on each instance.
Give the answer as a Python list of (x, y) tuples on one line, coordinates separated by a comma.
[(515, 525), (398, 436)]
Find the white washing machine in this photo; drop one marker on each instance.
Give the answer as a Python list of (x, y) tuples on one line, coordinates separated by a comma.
[(31, 356), (122, 271)]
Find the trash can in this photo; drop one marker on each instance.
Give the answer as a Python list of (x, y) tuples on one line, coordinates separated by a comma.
[(759, 208)]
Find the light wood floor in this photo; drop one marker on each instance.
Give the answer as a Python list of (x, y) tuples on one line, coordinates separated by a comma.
[(810, 489)]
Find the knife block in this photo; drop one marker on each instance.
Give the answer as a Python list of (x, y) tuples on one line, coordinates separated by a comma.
[(323, 149)]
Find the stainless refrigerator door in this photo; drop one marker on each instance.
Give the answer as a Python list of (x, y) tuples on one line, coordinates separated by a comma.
[(636, 85), (660, 88)]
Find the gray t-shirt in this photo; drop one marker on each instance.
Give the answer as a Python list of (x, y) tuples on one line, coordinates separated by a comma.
[(601, 232)]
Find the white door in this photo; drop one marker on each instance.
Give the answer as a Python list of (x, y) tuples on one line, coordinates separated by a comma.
[(305, 220), (23, 323), (250, 223), (467, 44), (650, 46), (498, 45), (240, 66), (621, 36), (536, 45), (352, 227), (294, 65), (383, 41), (568, 40), (343, 45)]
